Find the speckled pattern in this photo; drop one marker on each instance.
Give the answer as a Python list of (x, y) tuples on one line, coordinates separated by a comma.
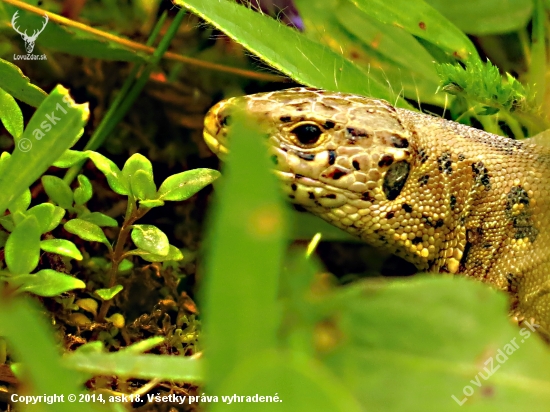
[(444, 196)]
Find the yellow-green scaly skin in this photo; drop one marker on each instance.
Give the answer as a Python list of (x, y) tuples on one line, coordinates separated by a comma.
[(444, 196)]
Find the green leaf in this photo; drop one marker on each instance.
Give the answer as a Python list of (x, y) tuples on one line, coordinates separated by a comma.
[(47, 283), (117, 181), (183, 185), (125, 266), (54, 127), (7, 223), (151, 239), (438, 331), (293, 377), (146, 366), (23, 247), (421, 20), (108, 294), (18, 217), (137, 162), (246, 242), (3, 238), (13, 81), (84, 191), (58, 191), (99, 219), (483, 17), (41, 350), (393, 42), (138, 170), (309, 62), (22, 202), (5, 159), (143, 186), (151, 203), (173, 254), (48, 216), (70, 158), (61, 247), (86, 230), (10, 115)]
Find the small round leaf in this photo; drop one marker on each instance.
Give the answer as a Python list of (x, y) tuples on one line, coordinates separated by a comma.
[(84, 191), (116, 180), (47, 282), (108, 294), (183, 185), (151, 239), (22, 249), (61, 247), (58, 191), (86, 230)]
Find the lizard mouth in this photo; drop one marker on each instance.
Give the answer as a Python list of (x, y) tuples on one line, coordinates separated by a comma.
[(213, 132)]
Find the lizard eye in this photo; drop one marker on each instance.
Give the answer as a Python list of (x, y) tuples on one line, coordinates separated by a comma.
[(308, 133)]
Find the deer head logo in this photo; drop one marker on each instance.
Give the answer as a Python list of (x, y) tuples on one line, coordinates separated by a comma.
[(29, 40)]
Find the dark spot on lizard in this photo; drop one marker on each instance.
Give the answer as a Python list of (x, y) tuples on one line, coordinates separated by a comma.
[(330, 196), (399, 142), (390, 215), (331, 157), (416, 240), (512, 282), (329, 124), (407, 208), (298, 176), (445, 163), (429, 222), (311, 195), (367, 196), (306, 156), (352, 131), (285, 119), (423, 155), (386, 160), (481, 175), (474, 235), (423, 180), (395, 179), (293, 187), (335, 173), (355, 164), (292, 196), (461, 157), (453, 202), (521, 218)]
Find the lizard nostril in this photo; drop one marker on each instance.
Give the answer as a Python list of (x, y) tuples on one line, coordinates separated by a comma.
[(225, 120)]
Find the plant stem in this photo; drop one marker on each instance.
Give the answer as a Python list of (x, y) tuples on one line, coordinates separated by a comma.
[(132, 214)]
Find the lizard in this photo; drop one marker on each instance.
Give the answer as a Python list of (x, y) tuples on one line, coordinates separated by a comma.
[(445, 196)]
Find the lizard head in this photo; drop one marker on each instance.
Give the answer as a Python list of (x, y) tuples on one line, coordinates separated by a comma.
[(345, 158)]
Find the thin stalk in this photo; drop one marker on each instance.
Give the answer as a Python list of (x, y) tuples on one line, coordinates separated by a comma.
[(143, 48)]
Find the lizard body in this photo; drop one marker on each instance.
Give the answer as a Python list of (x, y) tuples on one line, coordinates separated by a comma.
[(444, 196)]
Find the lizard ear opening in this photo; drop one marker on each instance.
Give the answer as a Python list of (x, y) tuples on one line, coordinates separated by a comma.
[(395, 179)]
